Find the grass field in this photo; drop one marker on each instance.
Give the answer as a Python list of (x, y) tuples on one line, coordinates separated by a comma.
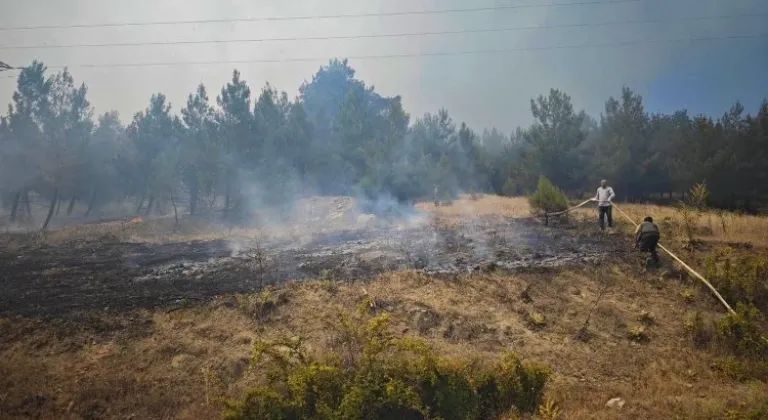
[(606, 327)]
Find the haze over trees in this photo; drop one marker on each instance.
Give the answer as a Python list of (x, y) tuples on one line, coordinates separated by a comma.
[(238, 150)]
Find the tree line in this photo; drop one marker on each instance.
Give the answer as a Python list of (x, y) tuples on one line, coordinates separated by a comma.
[(245, 152)]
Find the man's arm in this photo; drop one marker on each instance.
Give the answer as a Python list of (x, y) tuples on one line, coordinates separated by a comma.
[(597, 195), (611, 195)]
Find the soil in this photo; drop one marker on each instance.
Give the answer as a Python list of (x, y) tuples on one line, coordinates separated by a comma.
[(107, 274)]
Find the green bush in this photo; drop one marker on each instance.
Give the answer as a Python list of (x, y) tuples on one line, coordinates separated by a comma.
[(739, 278), (741, 333), (548, 198), (511, 187), (701, 332), (759, 413), (740, 337), (373, 375)]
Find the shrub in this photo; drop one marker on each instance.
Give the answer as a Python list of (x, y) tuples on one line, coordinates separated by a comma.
[(742, 335), (550, 411), (701, 332), (647, 318), (722, 215), (511, 187), (739, 278), (380, 376), (688, 295), (691, 211), (260, 305), (548, 198), (759, 413), (738, 340), (536, 321), (698, 196), (690, 217), (741, 340), (638, 334)]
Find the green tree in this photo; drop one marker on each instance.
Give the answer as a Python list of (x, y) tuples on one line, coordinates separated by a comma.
[(201, 148), (24, 130), (555, 140), (155, 133), (236, 123), (623, 146), (106, 176), (548, 198)]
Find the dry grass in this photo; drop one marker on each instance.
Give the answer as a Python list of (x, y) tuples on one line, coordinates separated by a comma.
[(485, 205), (167, 365), (159, 364), (739, 228), (331, 214)]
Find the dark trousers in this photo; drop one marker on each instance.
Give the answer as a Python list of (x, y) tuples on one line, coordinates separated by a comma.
[(647, 243), (607, 212)]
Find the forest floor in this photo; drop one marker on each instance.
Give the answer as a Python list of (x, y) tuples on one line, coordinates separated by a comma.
[(149, 319)]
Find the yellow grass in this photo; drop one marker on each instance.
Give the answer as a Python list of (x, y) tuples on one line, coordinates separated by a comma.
[(739, 228), (174, 364), (484, 205), (709, 227)]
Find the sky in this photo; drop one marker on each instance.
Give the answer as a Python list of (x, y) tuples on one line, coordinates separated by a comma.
[(485, 90)]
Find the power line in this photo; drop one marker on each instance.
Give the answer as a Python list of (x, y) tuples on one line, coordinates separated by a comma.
[(391, 35), (6, 67), (414, 55), (318, 17)]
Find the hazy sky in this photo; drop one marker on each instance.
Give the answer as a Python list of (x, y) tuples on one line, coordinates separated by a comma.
[(484, 90)]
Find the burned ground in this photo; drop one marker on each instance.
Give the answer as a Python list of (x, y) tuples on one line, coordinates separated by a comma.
[(153, 322), (106, 274)]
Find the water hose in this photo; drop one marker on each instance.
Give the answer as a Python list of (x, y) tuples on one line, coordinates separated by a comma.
[(686, 266), (671, 254)]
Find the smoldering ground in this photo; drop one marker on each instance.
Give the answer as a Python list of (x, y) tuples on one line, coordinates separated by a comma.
[(325, 237)]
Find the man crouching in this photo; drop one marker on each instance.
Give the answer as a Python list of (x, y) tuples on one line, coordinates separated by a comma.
[(647, 237)]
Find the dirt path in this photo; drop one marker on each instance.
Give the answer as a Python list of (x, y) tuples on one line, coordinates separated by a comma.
[(53, 280)]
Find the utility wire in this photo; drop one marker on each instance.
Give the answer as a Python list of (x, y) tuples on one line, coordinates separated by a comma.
[(318, 17), (412, 55), (6, 67), (391, 35)]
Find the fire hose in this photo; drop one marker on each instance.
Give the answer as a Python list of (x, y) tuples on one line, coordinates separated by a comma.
[(671, 254)]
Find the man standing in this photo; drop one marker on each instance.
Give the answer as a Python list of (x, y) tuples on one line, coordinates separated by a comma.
[(603, 197)]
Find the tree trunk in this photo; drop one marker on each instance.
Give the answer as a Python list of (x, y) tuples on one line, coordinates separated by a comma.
[(71, 205), (90, 203), (175, 212), (193, 193), (15, 206), (227, 194), (149, 205), (141, 203), (52, 208), (28, 203)]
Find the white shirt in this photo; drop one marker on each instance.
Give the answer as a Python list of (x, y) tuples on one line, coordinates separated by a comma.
[(604, 196)]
